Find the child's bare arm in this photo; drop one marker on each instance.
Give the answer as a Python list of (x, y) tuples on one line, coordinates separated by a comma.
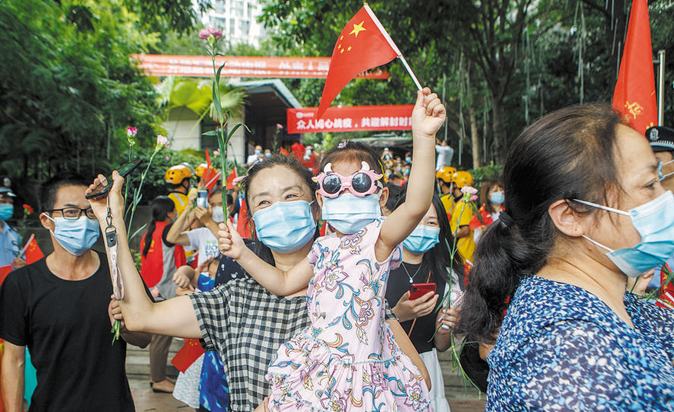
[(427, 118), (407, 346), (278, 282)]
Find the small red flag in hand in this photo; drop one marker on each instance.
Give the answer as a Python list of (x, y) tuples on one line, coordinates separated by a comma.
[(362, 45), (634, 95), (230, 179), (33, 251), (187, 355)]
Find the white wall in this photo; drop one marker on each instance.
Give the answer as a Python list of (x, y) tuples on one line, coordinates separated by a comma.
[(183, 130)]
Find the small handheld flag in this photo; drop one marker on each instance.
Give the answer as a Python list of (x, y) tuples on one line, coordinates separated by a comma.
[(362, 45), (634, 95)]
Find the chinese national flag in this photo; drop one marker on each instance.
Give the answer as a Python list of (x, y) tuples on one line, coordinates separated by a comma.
[(634, 95), (244, 224), (33, 251), (187, 355), (362, 45), (230, 179)]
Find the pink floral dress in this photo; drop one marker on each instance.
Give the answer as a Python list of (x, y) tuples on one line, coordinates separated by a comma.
[(348, 359)]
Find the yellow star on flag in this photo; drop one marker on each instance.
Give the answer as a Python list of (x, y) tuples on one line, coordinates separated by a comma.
[(357, 28)]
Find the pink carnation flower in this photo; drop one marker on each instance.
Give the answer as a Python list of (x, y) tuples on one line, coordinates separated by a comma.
[(131, 131), (162, 140), (473, 198), (210, 31), (468, 190)]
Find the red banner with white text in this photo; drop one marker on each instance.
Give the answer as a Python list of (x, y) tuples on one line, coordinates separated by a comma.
[(242, 66), (350, 119)]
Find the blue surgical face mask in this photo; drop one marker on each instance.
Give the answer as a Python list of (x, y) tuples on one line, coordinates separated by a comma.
[(655, 223), (76, 236), (408, 159), (348, 213), (285, 227), (422, 239), (497, 198), (6, 211), (662, 177)]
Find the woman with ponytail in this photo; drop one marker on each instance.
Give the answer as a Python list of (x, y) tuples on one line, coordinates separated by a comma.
[(157, 269), (584, 209)]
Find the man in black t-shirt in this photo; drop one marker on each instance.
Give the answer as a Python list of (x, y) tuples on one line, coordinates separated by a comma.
[(59, 307)]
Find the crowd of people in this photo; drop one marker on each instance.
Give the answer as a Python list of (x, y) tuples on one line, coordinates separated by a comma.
[(332, 280)]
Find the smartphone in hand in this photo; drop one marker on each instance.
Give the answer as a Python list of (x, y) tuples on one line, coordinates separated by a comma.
[(420, 289), (202, 199), (102, 190)]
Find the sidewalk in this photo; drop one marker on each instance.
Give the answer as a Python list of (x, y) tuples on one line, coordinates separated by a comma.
[(138, 369), (146, 400)]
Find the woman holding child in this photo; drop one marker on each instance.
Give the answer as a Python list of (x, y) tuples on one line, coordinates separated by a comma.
[(209, 318)]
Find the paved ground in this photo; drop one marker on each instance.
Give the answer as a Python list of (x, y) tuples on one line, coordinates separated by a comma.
[(146, 400)]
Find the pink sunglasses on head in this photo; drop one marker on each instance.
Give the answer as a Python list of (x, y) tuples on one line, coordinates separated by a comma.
[(362, 183)]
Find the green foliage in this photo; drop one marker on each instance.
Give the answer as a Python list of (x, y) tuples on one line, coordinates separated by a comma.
[(164, 15), (506, 62), (491, 172), (67, 87)]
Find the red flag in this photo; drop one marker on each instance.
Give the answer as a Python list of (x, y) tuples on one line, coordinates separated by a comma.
[(208, 160), (186, 356), (244, 224), (4, 271), (230, 179), (362, 45), (634, 95), (33, 251)]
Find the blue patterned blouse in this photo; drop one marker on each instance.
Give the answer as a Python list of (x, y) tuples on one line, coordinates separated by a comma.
[(562, 349)]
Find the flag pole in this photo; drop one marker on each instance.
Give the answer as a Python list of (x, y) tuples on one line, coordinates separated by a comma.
[(409, 70)]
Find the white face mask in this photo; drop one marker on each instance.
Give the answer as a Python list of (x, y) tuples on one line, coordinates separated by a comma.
[(218, 215)]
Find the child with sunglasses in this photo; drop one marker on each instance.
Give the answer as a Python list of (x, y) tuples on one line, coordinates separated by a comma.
[(347, 359)]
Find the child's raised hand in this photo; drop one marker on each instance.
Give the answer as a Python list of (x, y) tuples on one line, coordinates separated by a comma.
[(230, 242), (428, 115)]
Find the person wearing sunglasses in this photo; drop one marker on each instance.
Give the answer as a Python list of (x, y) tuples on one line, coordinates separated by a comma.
[(60, 308)]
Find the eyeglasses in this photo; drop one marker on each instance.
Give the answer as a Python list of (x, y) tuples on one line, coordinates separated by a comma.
[(362, 183), (74, 213)]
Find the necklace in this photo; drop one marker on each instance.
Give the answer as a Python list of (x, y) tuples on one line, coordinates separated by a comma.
[(408, 273)]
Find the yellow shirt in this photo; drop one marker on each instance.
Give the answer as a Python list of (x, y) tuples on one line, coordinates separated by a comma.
[(180, 201), (461, 216), (448, 202)]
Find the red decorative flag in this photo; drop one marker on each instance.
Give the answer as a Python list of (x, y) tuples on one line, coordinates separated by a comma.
[(362, 45), (210, 177), (33, 251), (634, 95), (4, 271), (244, 225), (230, 179), (186, 356)]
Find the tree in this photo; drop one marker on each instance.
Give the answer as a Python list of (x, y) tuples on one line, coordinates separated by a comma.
[(67, 87)]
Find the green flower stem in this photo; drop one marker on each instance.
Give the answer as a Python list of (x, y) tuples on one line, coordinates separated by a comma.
[(222, 139)]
